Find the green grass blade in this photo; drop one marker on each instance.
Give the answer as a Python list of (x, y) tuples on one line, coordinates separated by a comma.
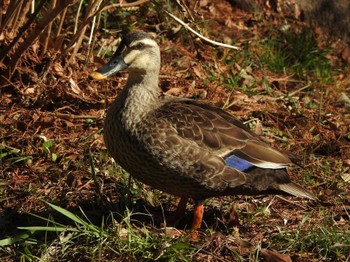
[(11, 240), (46, 228), (68, 214)]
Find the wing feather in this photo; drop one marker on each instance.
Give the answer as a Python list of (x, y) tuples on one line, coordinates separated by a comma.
[(220, 133)]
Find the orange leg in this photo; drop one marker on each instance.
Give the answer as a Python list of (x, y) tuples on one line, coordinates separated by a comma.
[(197, 218), (197, 215)]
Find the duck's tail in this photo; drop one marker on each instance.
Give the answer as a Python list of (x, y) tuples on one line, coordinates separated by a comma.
[(296, 190)]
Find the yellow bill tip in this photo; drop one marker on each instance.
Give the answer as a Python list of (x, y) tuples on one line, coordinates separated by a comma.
[(97, 76)]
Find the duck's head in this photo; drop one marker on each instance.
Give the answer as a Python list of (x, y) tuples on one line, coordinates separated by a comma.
[(137, 51)]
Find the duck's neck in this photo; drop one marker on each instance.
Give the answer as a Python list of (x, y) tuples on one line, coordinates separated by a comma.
[(139, 96)]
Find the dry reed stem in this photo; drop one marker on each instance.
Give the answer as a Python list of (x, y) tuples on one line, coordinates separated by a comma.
[(124, 5), (14, 18), (9, 16), (1, 13), (82, 27), (20, 21), (58, 37), (48, 29), (42, 24), (91, 12), (21, 31)]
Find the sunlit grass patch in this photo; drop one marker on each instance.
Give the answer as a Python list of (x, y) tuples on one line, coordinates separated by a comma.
[(325, 241), (296, 53), (239, 70), (325, 172)]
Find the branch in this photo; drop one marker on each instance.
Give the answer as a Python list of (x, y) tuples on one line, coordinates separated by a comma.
[(198, 34), (124, 5), (42, 24)]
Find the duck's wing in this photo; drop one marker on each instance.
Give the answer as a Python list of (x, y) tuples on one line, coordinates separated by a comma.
[(223, 135), (216, 150)]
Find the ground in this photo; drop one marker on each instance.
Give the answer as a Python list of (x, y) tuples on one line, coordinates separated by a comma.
[(288, 82)]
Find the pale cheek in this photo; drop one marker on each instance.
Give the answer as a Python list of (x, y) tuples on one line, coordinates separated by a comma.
[(128, 59), (139, 62)]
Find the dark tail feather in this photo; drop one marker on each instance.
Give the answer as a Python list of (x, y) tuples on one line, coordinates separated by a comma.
[(296, 190)]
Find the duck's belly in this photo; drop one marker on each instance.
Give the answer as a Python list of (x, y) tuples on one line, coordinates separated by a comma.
[(132, 156)]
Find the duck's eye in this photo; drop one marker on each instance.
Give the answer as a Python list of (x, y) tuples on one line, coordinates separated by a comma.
[(140, 45)]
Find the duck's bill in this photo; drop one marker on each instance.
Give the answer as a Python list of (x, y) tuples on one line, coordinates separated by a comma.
[(114, 65)]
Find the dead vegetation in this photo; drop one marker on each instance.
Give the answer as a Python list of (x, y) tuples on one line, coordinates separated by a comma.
[(289, 82)]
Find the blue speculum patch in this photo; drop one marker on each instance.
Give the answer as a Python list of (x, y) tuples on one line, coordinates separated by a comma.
[(237, 163)]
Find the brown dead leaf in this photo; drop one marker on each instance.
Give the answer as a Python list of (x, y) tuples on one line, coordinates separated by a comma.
[(343, 100), (273, 256), (175, 91), (258, 127), (198, 70), (345, 177), (346, 54), (29, 91), (203, 3), (201, 93), (75, 88), (58, 69), (244, 247), (246, 74)]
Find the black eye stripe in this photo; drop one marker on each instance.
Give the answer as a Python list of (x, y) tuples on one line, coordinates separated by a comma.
[(140, 46)]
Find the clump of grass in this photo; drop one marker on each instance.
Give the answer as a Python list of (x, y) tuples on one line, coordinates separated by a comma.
[(83, 240), (233, 70), (11, 156), (296, 53), (323, 241), (323, 172)]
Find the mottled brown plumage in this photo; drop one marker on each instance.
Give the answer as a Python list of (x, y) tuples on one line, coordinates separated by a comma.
[(180, 146)]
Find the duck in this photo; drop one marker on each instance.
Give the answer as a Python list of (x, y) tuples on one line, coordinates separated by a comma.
[(181, 146)]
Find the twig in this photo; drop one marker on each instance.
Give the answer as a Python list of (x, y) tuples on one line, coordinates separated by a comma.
[(198, 34), (124, 5), (299, 90), (22, 30), (87, 20), (94, 177), (71, 116), (291, 202), (102, 7), (41, 25)]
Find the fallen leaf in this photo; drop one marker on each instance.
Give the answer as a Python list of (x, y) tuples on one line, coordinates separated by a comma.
[(343, 100), (345, 177), (58, 69), (175, 91), (74, 86), (198, 70), (273, 256)]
